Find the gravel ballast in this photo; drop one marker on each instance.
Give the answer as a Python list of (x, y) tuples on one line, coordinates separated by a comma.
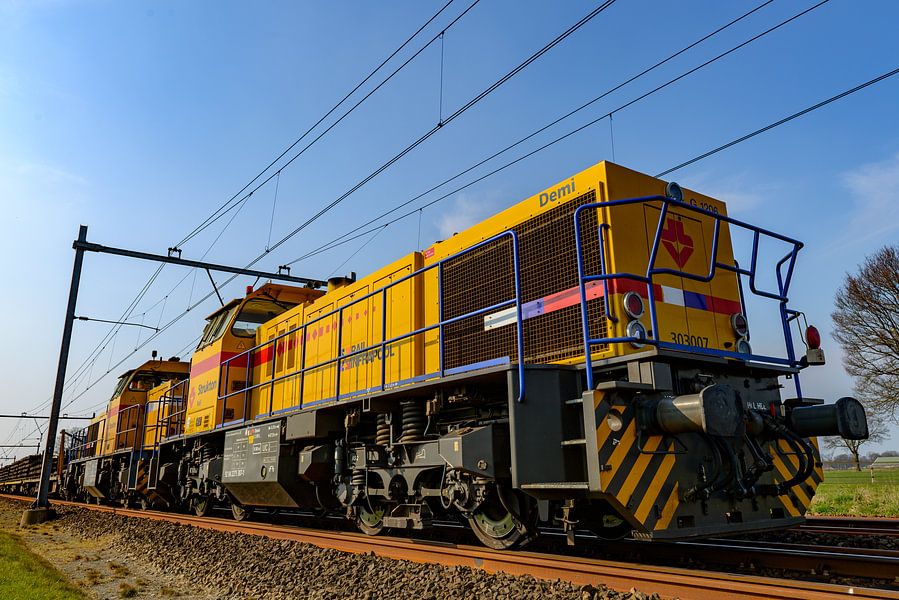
[(234, 565)]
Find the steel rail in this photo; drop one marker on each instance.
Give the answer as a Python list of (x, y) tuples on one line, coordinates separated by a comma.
[(851, 525), (667, 581), (835, 561)]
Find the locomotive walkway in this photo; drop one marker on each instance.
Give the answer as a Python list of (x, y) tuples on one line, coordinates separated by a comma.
[(667, 581)]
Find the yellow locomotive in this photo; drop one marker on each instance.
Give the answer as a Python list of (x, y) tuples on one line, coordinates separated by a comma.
[(105, 459), (580, 358)]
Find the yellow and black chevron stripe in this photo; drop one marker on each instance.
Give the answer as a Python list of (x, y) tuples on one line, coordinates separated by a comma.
[(142, 482), (786, 463), (636, 470)]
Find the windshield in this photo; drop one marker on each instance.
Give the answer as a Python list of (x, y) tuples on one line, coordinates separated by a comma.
[(215, 326), (120, 386), (143, 381), (256, 312)]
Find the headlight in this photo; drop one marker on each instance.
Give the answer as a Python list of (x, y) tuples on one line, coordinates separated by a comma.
[(635, 329), (743, 347), (673, 191), (614, 420)]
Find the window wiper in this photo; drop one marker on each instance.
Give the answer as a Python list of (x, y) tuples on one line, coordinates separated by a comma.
[(276, 301)]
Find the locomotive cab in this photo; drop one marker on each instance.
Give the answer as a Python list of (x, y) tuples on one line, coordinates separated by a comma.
[(229, 333), (129, 400)]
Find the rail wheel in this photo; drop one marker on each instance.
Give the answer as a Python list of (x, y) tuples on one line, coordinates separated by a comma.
[(370, 518), (144, 503), (503, 522), (240, 513), (202, 506), (612, 528)]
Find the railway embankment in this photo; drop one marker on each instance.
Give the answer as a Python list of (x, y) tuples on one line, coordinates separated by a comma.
[(110, 556), (94, 564)]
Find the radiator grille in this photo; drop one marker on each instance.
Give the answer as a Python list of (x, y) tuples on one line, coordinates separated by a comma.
[(547, 258)]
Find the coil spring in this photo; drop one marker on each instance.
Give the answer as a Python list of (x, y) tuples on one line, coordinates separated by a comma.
[(206, 453), (358, 479), (413, 421), (382, 432)]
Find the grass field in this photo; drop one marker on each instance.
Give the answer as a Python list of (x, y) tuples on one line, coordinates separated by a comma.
[(25, 576), (851, 493)]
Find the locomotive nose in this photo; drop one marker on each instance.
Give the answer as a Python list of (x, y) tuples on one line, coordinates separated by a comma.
[(845, 418)]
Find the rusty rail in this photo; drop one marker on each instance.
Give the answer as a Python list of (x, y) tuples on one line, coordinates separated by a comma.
[(851, 525), (666, 581)]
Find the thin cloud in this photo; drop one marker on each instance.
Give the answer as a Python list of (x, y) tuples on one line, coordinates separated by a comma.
[(48, 173), (874, 188), (742, 193), (466, 211)]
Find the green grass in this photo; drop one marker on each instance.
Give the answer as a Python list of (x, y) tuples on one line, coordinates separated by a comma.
[(852, 493), (26, 576)]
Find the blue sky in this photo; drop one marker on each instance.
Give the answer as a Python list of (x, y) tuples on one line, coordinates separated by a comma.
[(138, 119)]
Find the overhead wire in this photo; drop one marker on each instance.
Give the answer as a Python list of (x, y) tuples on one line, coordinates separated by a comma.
[(101, 346), (225, 208), (759, 131), (358, 250), (457, 113), (567, 115), (533, 57), (105, 340), (782, 121), (324, 117), (215, 215), (725, 146)]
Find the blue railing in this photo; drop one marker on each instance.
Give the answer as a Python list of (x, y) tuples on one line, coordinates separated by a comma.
[(82, 444), (780, 295), (247, 356)]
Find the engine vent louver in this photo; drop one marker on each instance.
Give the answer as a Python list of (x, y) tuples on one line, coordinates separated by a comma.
[(547, 258)]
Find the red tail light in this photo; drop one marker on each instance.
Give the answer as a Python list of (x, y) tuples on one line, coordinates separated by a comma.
[(633, 305), (812, 337), (740, 324), (249, 290)]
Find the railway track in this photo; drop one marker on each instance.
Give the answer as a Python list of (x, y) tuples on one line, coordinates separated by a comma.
[(667, 581), (851, 526), (868, 563)]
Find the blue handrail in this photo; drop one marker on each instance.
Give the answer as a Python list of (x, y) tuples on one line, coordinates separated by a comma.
[(384, 342), (781, 295)]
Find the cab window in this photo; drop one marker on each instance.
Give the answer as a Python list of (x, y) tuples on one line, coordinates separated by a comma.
[(120, 386), (215, 326), (144, 382), (256, 312)]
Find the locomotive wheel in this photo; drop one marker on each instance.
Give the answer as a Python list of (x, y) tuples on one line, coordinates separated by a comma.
[(202, 506), (240, 513), (613, 528), (144, 503), (370, 521), (503, 524)]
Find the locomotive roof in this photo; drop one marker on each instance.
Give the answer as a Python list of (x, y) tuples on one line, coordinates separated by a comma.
[(155, 365), (274, 291)]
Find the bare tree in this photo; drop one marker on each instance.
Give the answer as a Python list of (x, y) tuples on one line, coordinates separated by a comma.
[(877, 432), (866, 325)]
